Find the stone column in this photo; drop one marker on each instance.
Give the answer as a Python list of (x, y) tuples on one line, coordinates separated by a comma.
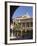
[(25, 27), (21, 32), (21, 29), (29, 24), (17, 34)]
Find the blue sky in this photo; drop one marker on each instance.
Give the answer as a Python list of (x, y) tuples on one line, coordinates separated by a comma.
[(23, 10)]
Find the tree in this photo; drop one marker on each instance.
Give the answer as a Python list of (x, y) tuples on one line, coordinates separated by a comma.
[(17, 26)]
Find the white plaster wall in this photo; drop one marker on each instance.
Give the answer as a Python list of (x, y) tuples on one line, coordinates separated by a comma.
[(36, 22)]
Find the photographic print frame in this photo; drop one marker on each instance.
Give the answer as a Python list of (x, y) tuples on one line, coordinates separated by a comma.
[(7, 22)]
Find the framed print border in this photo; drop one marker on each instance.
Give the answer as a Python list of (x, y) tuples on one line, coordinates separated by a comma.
[(6, 22)]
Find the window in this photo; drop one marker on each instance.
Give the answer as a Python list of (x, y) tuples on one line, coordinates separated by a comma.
[(23, 24), (31, 24), (27, 24)]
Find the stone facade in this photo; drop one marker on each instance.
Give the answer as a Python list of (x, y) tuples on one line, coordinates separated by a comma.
[(26, 22)]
